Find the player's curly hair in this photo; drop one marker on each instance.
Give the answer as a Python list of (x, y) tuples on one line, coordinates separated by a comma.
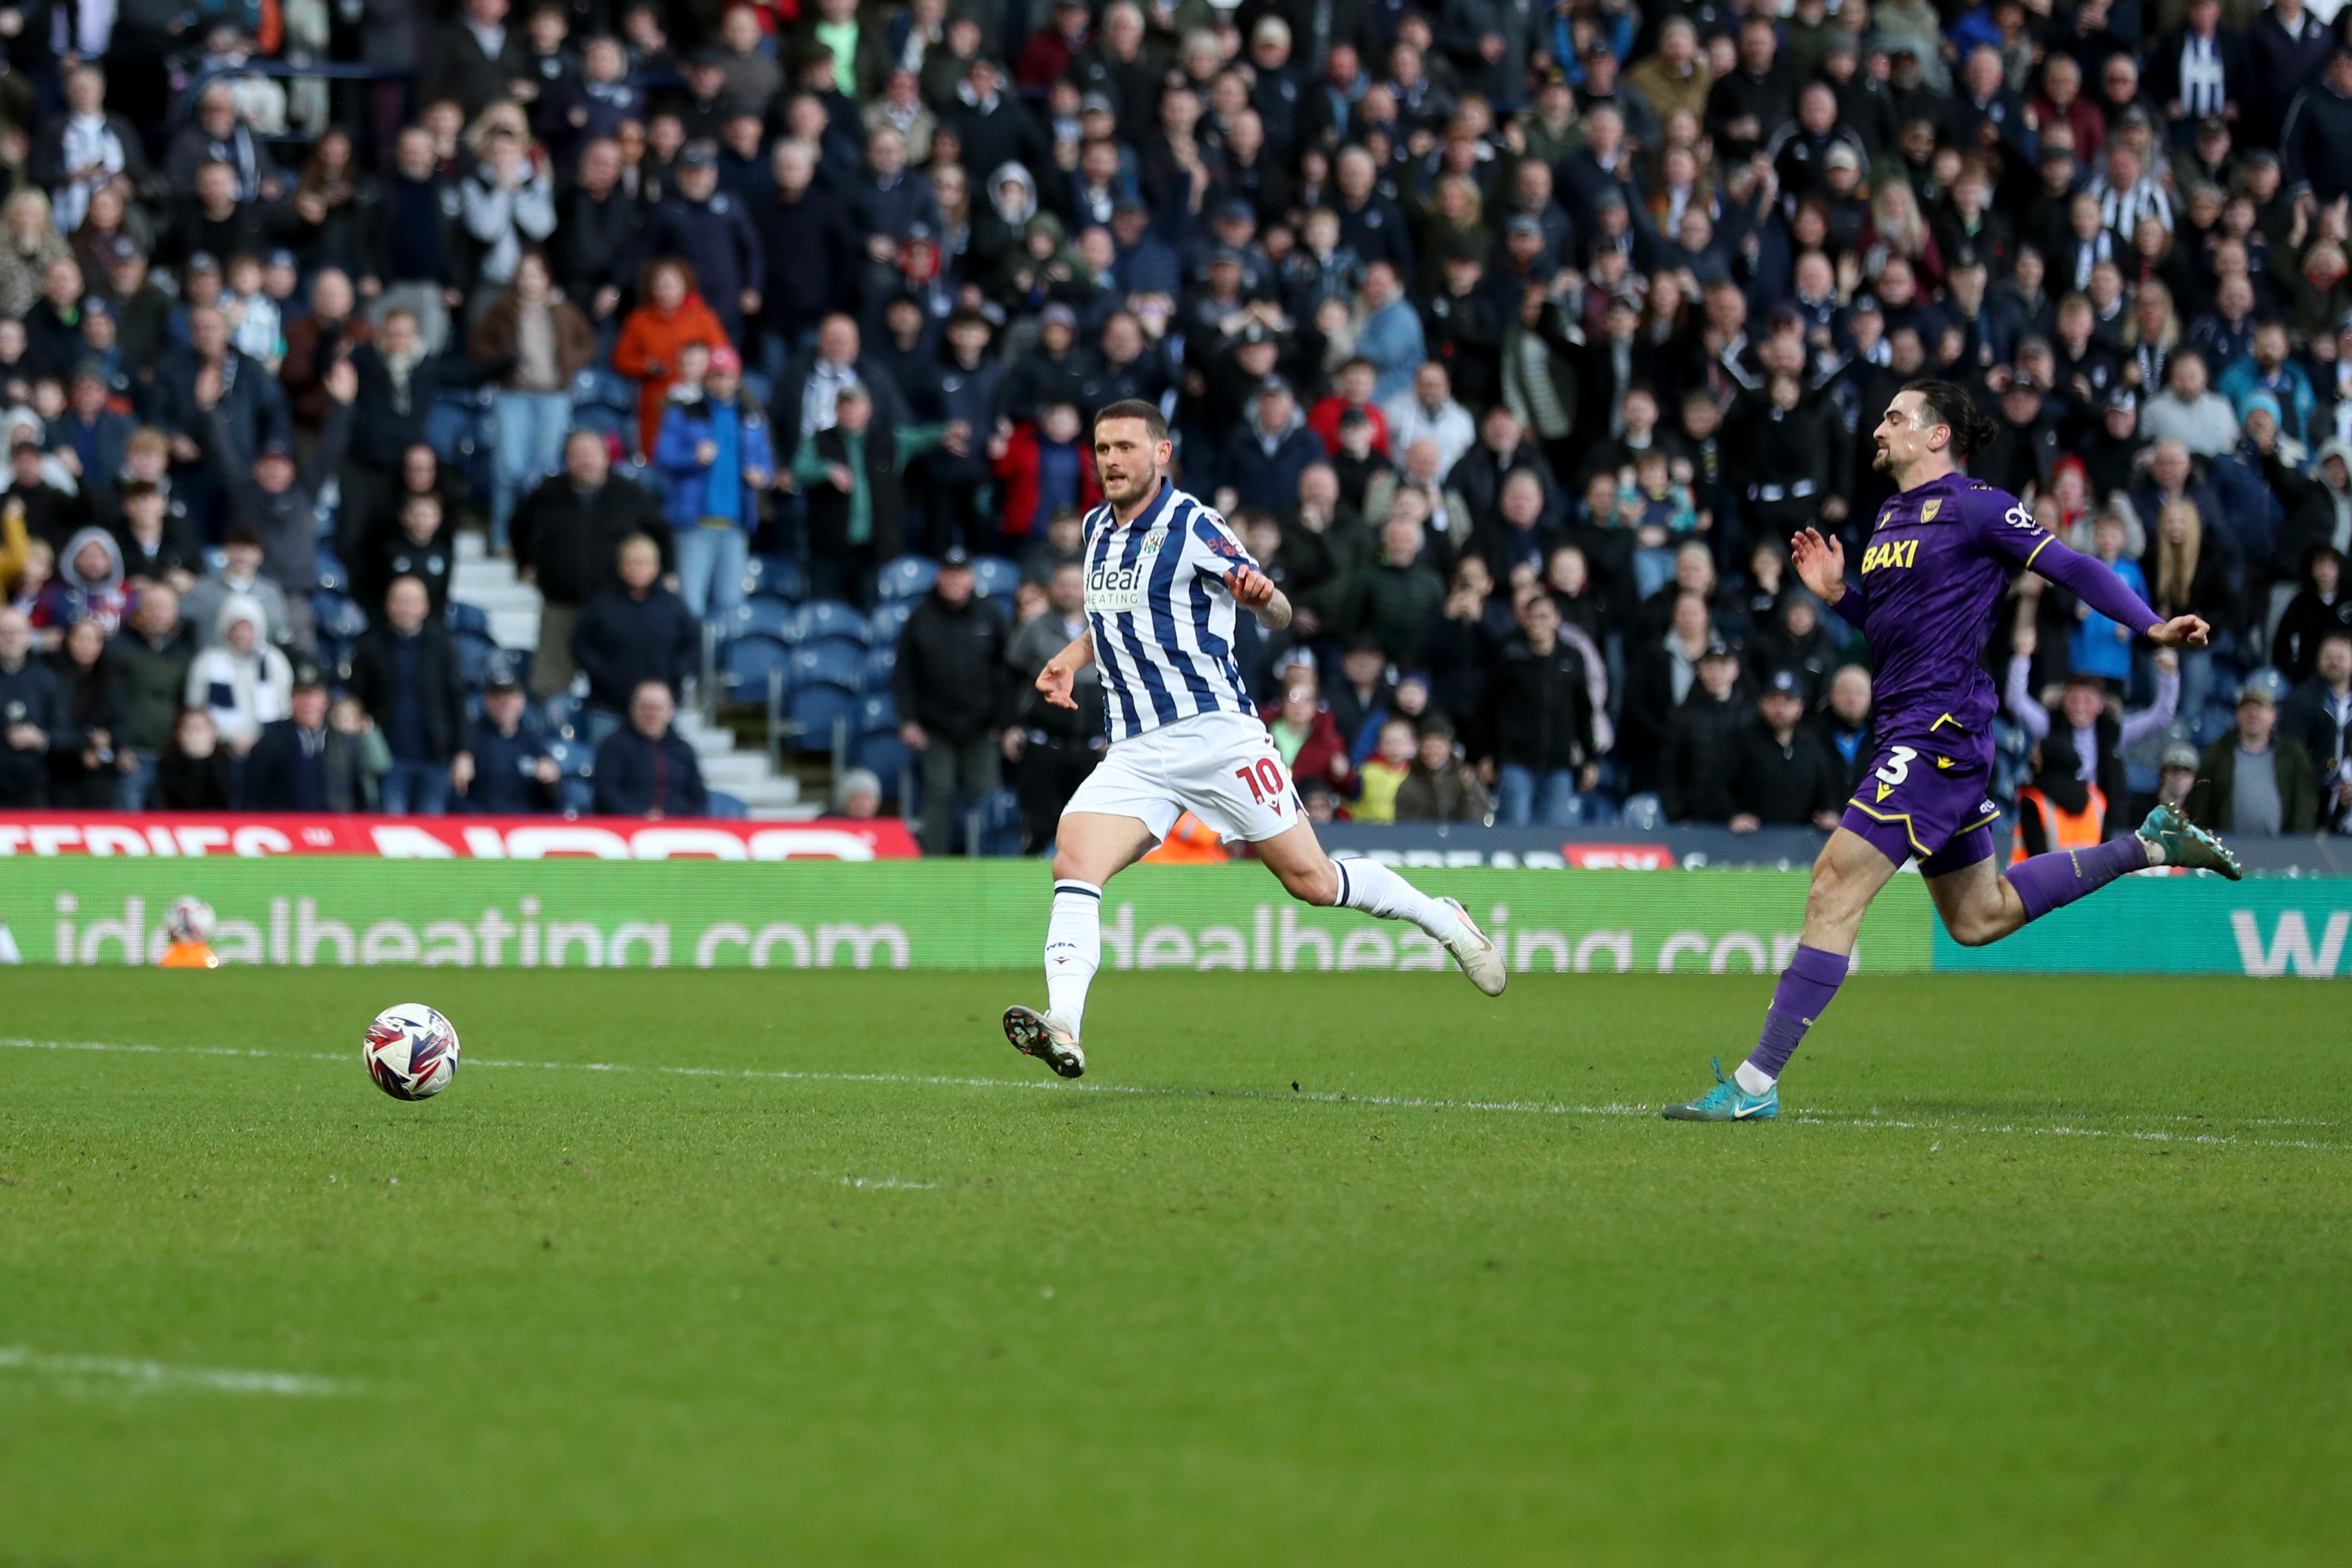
[(1949, 403)]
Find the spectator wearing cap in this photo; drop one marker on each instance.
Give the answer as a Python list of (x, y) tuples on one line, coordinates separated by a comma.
[(853, 474), (98, 438), (646, 769), (1782, 775), (540, 342), (1540, 717), (303, 763), (2254, 782), (1263, 459), (33, 718), (513, 775), (711, 227), (269, 497), (2319, 715), (2269, 369), (1695, 771), (954, 696), (404, 674), (634, 631), (1052, 371), (714, 454)]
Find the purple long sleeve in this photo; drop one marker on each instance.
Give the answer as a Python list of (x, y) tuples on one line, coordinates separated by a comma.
[(2089, 579)]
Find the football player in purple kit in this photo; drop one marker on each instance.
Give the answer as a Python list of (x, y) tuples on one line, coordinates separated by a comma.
[(1935, 568)]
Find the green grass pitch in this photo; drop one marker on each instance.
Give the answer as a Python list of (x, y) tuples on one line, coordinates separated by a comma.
[(2039, 1270)]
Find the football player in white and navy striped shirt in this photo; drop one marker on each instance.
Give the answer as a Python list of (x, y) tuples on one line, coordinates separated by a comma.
[(1165, 578)]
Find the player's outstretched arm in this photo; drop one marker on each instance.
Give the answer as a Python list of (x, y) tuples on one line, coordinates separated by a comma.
[(1255, 592), (2090, 579), (1061, 672)]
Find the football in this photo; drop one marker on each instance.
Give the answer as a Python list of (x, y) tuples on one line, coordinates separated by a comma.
[(411, 1051), (189, 920)]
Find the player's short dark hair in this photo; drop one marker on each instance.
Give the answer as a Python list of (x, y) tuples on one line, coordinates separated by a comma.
[(1155, 423), (1949, 403)]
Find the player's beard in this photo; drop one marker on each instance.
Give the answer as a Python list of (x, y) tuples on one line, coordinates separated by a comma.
[(1884, 461), (1133, 489)]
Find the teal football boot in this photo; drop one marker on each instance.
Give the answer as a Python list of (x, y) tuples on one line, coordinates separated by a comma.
[(2185, 844), (1728, 1102)]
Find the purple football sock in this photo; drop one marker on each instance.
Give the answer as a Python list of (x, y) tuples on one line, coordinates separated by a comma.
[(2053, 881), (1806, 987)]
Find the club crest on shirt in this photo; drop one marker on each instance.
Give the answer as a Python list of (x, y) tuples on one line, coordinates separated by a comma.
[(1154, 539), (1927, 512)]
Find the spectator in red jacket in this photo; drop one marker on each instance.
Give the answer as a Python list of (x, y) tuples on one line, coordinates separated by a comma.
[(1045, 464), (1351, 388), (1307, 737)]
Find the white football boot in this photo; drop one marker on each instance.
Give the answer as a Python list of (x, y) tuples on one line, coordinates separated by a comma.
[(1479, 957), (1047, 1037)]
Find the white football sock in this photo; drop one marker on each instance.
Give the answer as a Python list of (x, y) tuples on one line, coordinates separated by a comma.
[(1753, 1079), (1073, 949), (1376, 890)]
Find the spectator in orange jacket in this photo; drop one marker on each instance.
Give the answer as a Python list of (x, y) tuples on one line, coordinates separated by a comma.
[(1044, 464), (672, 317)]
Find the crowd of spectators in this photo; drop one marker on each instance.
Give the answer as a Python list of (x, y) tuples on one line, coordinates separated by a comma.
[(1514, 341)]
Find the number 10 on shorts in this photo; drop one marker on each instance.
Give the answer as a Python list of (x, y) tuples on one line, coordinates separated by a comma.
[(1264, 780)]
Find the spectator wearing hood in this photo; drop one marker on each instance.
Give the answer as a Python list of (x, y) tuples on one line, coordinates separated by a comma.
[(241, 681), (714, 453), (89, 585), (149, 659)]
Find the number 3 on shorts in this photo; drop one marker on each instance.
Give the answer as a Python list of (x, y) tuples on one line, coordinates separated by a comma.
[(1264, 779), (1898, 766)]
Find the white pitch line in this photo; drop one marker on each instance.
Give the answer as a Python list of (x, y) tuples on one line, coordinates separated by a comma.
[(1390, 1102), (156, 1376)]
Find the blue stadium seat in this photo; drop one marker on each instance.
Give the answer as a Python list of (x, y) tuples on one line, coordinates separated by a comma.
[(829, 665), (775, 577), (216, 558), (576, 797), (572, 758), (744, 669), (475, 654), (994, 824), (769, 618), (908, 577), (831, 622), (467, 618), (888, 621), (875, 742), (881, 660), (331, 575), (992, 576), (727, 807), (337, 616)]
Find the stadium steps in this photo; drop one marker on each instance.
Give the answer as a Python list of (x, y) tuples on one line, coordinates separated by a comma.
[(512, 607)]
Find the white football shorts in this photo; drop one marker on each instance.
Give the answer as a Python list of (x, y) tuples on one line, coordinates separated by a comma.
[(1221, 767)]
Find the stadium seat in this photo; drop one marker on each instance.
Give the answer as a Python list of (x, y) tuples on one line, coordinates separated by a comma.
[(992, 576), (467, 618), (888, 621), (993, 825), (908, 577), (475, 654), (775, 577), (727, 807), (745, 668), (769, 618), (881, 660), (331, 575), (827, 621), (825, 680), (875, 743)]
